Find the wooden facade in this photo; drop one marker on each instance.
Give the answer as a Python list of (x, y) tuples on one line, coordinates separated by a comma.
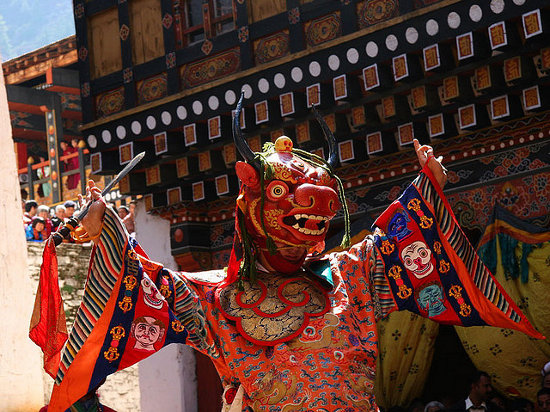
[(43, 91), (453, 74), (469, 78)]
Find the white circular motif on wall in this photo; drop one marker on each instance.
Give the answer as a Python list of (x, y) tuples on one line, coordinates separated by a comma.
[(120, 132), (166, 118), (432, 27), (106, 136), (519, 2), (230, 97), (151, 122), (136, 127), (453, 20), (213, 102), (372, 49), (411, 34), (247, 91), (279, 80), (476, 13), (352, 55), (181, 112), (197, 107), (296, 74), (92, 141), (314, 68), (392, 42), (333, 62), (263, 85), (497, 6)]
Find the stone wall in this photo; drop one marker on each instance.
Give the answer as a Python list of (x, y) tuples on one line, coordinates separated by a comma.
[(121, 390)]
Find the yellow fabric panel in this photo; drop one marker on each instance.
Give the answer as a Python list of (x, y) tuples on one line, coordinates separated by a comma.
[(406, 343), (512, 359)]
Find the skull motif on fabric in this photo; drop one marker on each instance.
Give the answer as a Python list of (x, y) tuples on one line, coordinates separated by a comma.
[(151, 295), (417, 257)]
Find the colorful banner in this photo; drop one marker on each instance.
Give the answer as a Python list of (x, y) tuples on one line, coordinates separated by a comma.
[(433, 270), (136, 322)]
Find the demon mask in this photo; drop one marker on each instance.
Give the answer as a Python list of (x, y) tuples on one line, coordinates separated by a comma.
[(287, 199)]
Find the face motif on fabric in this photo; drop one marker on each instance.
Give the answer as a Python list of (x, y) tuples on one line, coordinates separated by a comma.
[(431, 299), (151, 295), (147, 331), (397, 227), (417, 258)]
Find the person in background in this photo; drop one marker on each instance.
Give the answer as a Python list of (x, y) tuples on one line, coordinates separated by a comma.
[(44, 172), (129, 219), (35, 231), (24, 196), (545, 371), (70, 164), (44, 213), (69, 209), (478, 398), (30, 212), (123, 211), (543, 400), (434, 406), (521, 405), (59, 217)]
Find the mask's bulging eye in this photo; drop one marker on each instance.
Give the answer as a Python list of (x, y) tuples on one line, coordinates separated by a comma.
[(276, 190)]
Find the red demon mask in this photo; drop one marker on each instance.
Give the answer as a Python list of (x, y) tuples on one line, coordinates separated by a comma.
[(291, 206)]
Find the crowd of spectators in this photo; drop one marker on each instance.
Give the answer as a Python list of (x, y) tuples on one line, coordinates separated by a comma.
[(40, 220), (482, 397)]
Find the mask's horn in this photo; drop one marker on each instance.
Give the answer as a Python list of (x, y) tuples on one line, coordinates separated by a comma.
[(240, 142), (331, 140)]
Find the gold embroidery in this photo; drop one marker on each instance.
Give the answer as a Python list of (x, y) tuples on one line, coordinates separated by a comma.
[(404, 291), (444, 267), (456, 292), (177, 326), (425, 221), (387, 248), (117, 333), (165, 288), (273, 307), (130, 283)]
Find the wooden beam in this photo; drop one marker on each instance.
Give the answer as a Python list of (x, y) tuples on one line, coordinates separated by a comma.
[(41, 68)]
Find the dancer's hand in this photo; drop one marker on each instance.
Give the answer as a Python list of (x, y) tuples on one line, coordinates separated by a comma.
[(425, 155), (93, 221)]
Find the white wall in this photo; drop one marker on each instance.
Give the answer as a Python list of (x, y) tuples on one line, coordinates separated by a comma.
[(167, 380), (21, 387)]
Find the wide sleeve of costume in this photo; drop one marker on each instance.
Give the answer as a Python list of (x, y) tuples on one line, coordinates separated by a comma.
[(132, 307), (432, 269)]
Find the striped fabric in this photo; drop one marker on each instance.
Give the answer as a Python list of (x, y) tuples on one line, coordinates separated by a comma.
[(105, 266), (189, 312), (382, 295), (450, 229)]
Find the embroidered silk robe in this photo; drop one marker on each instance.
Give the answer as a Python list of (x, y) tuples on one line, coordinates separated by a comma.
[(302, 342)]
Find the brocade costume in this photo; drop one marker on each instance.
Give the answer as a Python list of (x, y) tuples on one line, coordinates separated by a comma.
[(302, 342)]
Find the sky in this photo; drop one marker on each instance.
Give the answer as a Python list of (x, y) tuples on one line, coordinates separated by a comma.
[(27, 25)]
